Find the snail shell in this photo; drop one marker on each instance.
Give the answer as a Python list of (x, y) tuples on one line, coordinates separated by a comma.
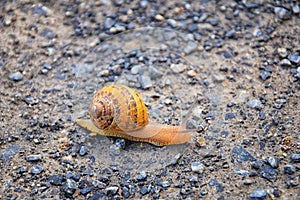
[(118, 111)]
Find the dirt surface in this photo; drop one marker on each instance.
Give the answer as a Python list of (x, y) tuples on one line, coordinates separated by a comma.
[(238, 60)]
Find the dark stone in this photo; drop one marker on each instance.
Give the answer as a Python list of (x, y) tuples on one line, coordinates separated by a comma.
[(241, 154), (85, 191), (230, 104), (268, 173), (231, 33), (56, 179), (213, 21), (214, 182), (261, 115), (33, 158), (144, 190), (192, 27), (229, 116), (120, 142), (39, 10), (224, 134), (289, 169), (264, 75), (46, 32), (295, 158), (125, 192)]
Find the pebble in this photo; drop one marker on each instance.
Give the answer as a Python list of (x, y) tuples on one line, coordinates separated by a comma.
[(192, 27), (219, 186), (295, 158), (190, 47), (241, 154), (142, 176), (31, 100), (178, 68), (144, 3), (70, 187), (282, 52), (136, 69), (229, 116), (268, 172), (285, 62), (255, 104), (218, 78), (273, 162), (191, 73), (112, 190), (125, 192), (115, 149), (282, 13), (56, 179), (17, 76), (145, 82), (83, 150), (241, 172), (36, 169), (214, 21), (154, 73), (294, 58), (258, 194), (247, 181), (144, 190), (85, 191), (172, 23), (296, 9), (289, 169), (197, 167), (264, 75), (9, 152), (120, 143), (159, 17), (165, 184), (47, 33), (40, 10), (224, 134), (231, 33), (33, 158)]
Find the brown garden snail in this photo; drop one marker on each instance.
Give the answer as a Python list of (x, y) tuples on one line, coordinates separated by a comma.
[(118, 111)]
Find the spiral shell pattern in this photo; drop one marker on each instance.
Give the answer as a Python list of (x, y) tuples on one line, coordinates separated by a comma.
[(118, 108)]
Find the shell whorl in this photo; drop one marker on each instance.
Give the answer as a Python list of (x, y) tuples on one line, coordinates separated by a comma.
[(118, 107)]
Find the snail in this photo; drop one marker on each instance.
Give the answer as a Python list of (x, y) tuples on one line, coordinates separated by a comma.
[(118, 111)]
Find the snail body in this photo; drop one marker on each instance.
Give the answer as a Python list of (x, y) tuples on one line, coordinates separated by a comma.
[(118, 111)]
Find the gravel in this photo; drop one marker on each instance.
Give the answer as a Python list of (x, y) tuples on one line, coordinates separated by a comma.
[(239, 61), (17, 76)]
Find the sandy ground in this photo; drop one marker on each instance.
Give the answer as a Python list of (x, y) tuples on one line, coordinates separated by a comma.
[(241, 62)]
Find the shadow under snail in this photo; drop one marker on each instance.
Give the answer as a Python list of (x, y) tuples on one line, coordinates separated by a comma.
[(118, 111)]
